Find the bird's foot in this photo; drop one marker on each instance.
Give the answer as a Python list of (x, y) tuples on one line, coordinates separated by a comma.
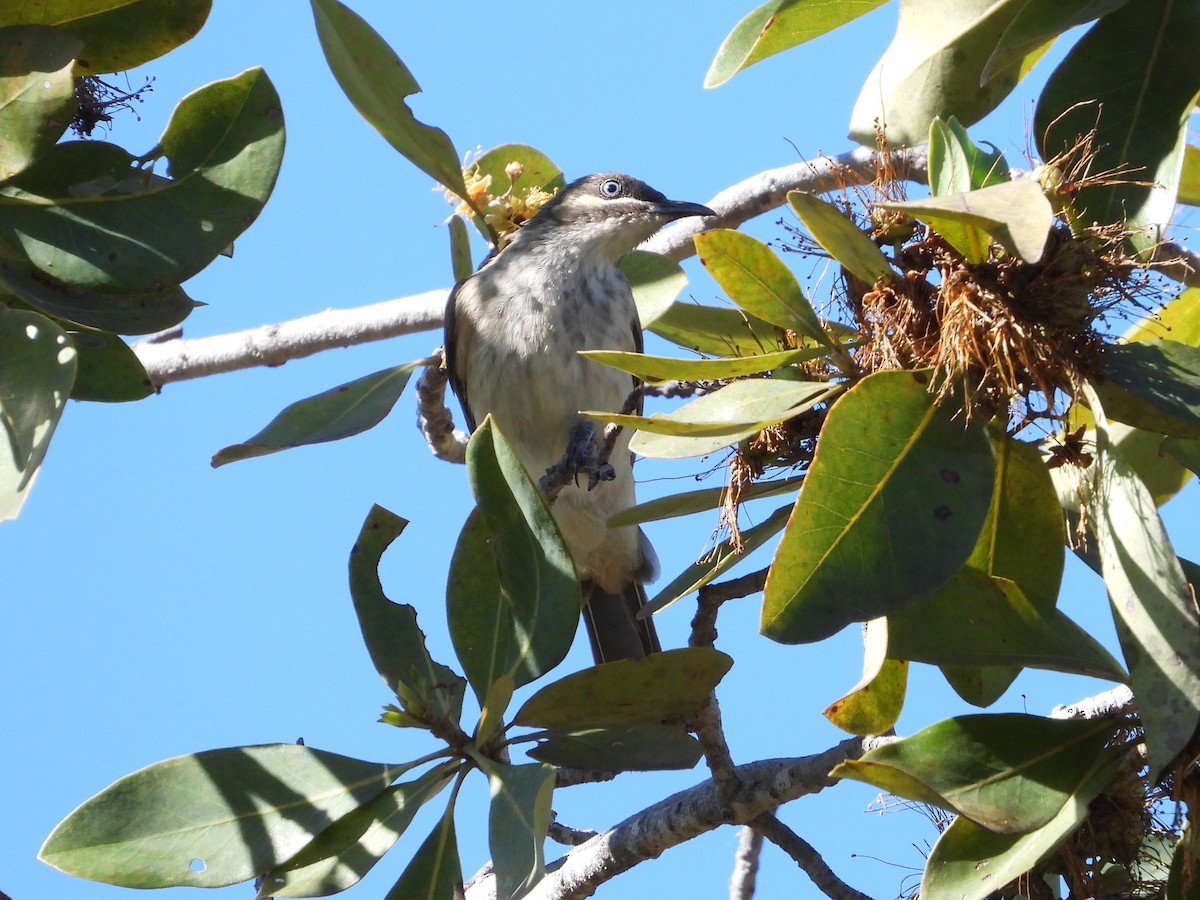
[(582, 458)]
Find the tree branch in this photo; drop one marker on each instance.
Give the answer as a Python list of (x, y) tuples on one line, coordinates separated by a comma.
[(745, 864), (273, 345), (767, 190), (761, 787), (806, 857), (1116, 700)]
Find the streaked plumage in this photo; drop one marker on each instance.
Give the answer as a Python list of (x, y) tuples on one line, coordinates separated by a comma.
[(513, 330)]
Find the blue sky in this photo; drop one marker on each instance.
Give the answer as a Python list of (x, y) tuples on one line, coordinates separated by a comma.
[(154, 606)]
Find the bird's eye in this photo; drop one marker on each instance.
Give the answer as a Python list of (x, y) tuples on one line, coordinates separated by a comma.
[(610, 188)]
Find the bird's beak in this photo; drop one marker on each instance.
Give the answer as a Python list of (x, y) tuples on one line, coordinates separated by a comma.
[(679, 209)]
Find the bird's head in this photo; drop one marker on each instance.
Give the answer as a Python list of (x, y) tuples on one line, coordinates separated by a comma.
[(610, 213)]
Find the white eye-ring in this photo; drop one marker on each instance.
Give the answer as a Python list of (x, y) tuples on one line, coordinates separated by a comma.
[(610, 188)]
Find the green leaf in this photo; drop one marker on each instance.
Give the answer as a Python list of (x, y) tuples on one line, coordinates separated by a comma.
[(1038, 24), (460, 250), (891, 507), (97, 224), (845, 241), (37, 92), (956, 165), (777, 26), (1016, 214), (1009, 772), (720, 560), (513, 597), (1153, 385), (980, 620), (934, 67), (662, 686), (434, 873), (109, 371), (343, 853), (1182, 883), (722, 418), (714, 330), (690, 502), (999, 609), (377, 82), (1189, 177), (620, 748), (980, 685), (427, 689), (969, 862), (117, 35), (331, 415), (758, 281), (214, 818), (655, 280), (518, 819), (873, 705), (1153, 608), (1132, 78), (123, 313), (37, 369), (665, 368), (537, 170)]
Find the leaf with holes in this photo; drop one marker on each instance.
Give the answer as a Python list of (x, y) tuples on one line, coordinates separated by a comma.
[(891, 507), (38, 365), (243, 809), (82, 213)]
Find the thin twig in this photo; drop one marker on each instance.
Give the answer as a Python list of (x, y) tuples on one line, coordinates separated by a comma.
[(745, 864), (568, 836), (709, 600), (806, 857)]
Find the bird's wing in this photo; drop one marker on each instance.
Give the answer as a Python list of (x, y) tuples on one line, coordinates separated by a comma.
[(454, 344), (639, 345), (456, 355)]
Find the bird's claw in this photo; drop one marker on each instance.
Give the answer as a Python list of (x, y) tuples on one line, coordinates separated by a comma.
[(581, 458)]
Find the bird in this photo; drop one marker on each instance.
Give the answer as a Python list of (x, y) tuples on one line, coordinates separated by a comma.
[(513, 330)]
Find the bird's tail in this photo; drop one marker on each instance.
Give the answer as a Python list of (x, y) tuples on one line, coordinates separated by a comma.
[(613, 627)]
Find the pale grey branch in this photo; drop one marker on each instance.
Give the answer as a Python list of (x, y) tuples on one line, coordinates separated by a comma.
[(760, 787), (272, 345), (767, 190), (745, 864)]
